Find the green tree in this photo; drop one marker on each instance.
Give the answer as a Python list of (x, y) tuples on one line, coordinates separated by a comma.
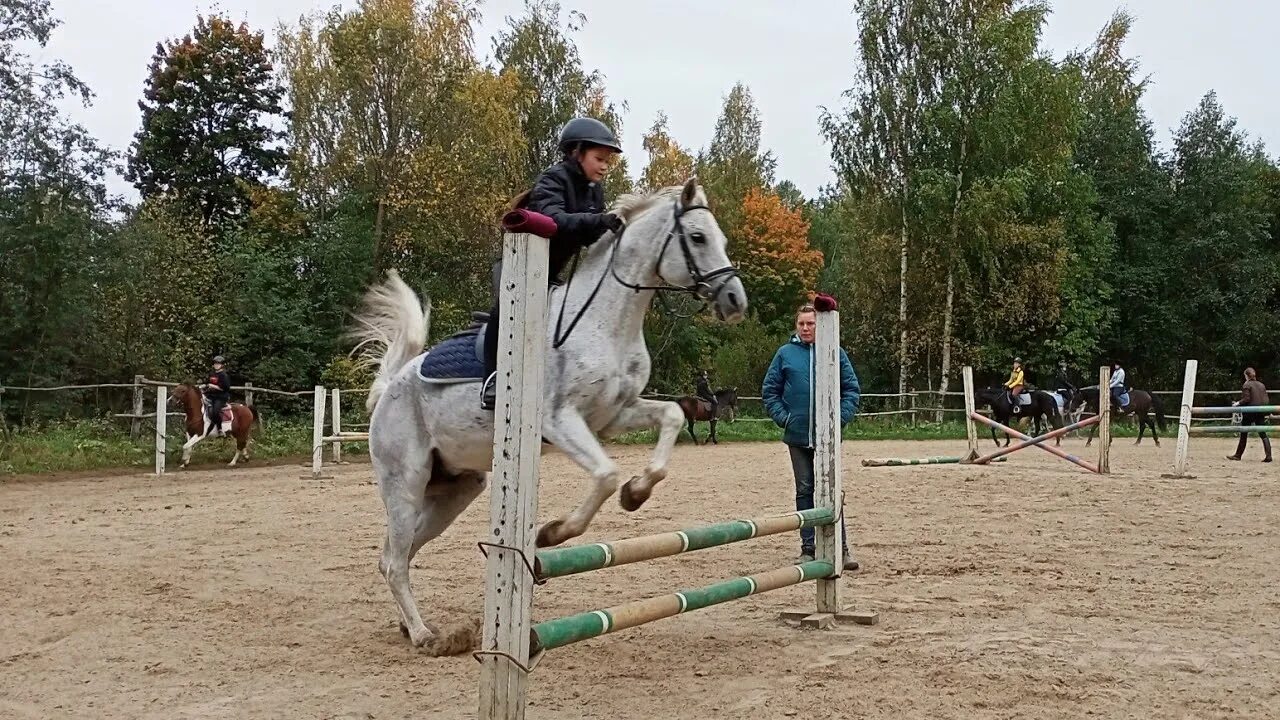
[(53, 208), (669, 163), (207, 111), (392, 111), (1227, 267), (733, 164), (554, 87)]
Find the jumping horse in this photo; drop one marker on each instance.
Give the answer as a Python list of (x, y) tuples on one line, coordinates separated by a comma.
[(431, 444), (236, 421)]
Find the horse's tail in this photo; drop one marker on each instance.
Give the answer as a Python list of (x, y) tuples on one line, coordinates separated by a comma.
[(391, 328), (1158, 409), (253, 410)]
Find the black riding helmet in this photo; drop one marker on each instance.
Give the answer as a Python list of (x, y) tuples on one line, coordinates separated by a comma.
[(590, 131)]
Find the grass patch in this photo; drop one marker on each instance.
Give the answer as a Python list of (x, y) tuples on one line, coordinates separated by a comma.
[(105, 443), (102, 444)]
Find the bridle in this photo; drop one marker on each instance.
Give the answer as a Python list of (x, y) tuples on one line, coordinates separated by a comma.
[(700, 285)]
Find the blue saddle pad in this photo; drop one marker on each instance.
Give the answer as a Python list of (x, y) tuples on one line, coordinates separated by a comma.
[(455, 360), (1124, 400)]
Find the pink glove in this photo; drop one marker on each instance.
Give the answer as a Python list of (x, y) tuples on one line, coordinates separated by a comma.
[(528, 221), (823, 302)]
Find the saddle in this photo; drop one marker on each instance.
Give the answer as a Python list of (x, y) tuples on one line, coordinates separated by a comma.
[(1024, 398), (458, 358), (226, 416)]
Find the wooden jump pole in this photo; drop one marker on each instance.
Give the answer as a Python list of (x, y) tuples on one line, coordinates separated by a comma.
[(828, 488), (1036, 440), (903, 462), (575, 628), (1047, 448), (1104, 423), (336, 399), (1231, 429), (317, 431), (513, 500), (559, 562), (1233, 409), (1184, 419), (162, 430), (970, 407)]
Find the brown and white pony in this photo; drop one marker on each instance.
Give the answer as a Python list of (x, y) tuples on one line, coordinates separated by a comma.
[(196, 408)]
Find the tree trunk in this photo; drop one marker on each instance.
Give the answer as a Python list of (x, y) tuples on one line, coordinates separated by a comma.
[(948, 311), (378, 259), (902, 307), (946, 341)]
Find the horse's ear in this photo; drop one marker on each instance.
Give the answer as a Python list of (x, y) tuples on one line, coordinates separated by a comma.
[(689, 194)]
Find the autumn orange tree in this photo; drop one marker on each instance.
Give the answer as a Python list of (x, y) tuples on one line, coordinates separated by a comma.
[(772, 247)]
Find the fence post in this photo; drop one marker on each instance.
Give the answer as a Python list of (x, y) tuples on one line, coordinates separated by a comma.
[(162, 422), (827, 458), (4, 423), (513, 497), (970, 407), (337, 425), (317, 432), (1104, 427), (1184, 418), (139, 404), (248, 394)]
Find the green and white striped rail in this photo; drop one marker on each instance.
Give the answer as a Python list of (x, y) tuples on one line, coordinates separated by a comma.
[(1233, 409), (559, 562), (584, 626)]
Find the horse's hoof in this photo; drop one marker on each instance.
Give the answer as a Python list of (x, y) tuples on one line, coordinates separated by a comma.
[(631, 499), (551, 534)]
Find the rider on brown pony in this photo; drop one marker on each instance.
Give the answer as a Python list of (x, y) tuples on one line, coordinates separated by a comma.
[(218, 391)]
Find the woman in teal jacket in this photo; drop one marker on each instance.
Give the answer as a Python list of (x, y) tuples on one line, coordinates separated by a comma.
[(788, 398)]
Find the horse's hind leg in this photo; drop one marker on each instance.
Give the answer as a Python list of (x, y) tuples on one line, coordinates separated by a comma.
[(691, 434), (421, 500)]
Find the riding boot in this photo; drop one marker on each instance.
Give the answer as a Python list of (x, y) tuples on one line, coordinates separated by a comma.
[(1244, 440), (1266, 448), (489, 392)]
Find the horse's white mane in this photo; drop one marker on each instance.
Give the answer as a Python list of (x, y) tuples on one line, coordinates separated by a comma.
[(631, 205)]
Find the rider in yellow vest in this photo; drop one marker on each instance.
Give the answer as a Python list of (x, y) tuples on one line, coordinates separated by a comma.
[(1015, 383)]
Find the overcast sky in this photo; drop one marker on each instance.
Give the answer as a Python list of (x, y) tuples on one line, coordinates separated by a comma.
[(682, 56)]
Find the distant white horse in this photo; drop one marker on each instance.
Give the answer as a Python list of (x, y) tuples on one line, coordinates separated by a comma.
[(432, 445)]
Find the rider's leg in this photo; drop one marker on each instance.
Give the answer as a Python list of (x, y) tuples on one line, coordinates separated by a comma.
[(488, 391)]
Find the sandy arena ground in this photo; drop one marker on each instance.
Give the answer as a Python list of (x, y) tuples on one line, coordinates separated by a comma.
[(1028, 589)]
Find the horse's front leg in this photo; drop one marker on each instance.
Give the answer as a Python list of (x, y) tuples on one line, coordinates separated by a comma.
[(568, 432), (644, 414), (186, 447)]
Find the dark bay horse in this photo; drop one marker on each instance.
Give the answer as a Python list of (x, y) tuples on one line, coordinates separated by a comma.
[(697, 409), (196, 409), (1042, 404), (1141, 404)]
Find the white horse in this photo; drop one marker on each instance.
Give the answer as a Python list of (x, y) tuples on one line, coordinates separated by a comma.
[(432, 445)]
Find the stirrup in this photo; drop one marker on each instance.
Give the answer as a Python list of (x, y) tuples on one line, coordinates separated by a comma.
[(489, 391)]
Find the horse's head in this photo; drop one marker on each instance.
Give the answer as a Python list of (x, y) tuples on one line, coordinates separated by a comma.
[(182, 393), (677, 237)]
